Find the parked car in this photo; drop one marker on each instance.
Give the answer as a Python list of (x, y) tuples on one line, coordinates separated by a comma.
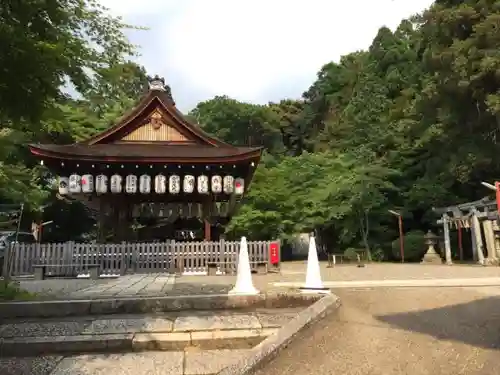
[(8, 237)]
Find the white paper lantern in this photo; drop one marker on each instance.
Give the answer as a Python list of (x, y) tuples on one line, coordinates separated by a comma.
[(228, 184), (63, 183), (115, 183), (202, 184), (145, 184), (131, 184), (217, 184), (87, 183), (174, 184), (160, 184), (74, 185), (239, 186), (101, 184), (188, 184)]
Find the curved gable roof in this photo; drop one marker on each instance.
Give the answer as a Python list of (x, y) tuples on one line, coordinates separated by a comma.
[(151, 101)]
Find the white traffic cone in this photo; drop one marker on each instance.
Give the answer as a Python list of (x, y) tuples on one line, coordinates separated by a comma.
[(244, 284), (313, 275)]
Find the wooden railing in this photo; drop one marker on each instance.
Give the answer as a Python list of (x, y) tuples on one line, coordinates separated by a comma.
[(73, 259)]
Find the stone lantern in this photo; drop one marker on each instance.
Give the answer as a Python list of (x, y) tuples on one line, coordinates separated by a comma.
[(431, 256)]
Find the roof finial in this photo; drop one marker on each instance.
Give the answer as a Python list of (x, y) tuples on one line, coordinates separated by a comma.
[(158, 83)]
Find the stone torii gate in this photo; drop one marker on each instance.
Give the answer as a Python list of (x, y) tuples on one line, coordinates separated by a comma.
[(478, 216)]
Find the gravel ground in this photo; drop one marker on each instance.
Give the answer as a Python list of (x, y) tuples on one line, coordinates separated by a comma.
[(445, 331)]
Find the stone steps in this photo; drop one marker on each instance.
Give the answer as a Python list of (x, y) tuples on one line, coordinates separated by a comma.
[(203, 330), (134, 342)]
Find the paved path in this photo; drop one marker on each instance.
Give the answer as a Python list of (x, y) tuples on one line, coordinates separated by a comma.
[(125, 286), (438, 282), (401, 331), (292, 275), (384, 331)]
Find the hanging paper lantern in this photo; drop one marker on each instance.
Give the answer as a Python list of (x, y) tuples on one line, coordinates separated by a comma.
[(87, 183), (228, 184), (239, 186), (217, 184), (160, 184), (202, 184), (101, 184), (131, 184), (174, 184), (63, 185), (145, 184), (74, 186), (115, 184), (188, 184)]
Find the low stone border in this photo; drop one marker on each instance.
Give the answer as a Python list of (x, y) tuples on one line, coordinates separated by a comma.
[(134, 342), (270, 347), (142, 305)]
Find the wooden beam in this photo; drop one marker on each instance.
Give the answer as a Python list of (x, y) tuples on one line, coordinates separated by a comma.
[(484, 202)]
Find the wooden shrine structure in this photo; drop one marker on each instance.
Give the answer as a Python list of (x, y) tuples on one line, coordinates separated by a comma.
[(482, 219), (154, 174)]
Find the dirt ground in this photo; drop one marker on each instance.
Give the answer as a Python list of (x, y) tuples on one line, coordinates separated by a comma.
[(442, 331)]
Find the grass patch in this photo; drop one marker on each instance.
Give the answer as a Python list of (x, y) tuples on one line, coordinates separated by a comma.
[(13, 292)]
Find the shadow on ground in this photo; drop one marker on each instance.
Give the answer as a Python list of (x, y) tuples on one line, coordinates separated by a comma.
[(476, 323)]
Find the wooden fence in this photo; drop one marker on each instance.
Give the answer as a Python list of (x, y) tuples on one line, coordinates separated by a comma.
[(74, 259)]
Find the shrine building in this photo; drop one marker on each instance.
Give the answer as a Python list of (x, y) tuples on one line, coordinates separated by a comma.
[(154, 174)]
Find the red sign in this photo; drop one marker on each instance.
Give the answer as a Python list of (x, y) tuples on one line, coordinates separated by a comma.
[(497, 185), (274, 253)]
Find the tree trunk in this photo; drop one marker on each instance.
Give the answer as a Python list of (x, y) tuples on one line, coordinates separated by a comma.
[(365, 230)]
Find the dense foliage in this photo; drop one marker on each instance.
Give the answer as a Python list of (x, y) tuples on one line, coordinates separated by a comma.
[(408, 124)]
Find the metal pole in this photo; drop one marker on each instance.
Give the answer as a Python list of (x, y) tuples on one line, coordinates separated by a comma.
[(401, 239)]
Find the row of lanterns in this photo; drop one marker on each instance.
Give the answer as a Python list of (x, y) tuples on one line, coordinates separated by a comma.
[(75, 184)]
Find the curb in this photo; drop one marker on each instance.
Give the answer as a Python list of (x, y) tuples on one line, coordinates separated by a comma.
[(270, 347), (133, 342), (144, 305)]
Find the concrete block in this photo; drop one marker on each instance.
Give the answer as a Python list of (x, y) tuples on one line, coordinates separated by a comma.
[(161, 341), (216, 322)]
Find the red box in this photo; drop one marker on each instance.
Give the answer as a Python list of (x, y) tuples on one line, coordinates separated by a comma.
[(274, 253)]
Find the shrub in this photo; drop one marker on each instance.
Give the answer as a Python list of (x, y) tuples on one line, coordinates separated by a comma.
[(351, 254), (414, 247), (11, 291)]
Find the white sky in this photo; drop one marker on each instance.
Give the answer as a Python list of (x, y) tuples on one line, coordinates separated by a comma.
[(252, 50)]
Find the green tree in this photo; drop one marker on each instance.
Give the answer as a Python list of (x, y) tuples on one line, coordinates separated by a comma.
[(240, 124), (47, 44)]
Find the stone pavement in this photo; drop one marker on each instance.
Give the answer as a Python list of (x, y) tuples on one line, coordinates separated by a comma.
[(125, 286), (186, 333)]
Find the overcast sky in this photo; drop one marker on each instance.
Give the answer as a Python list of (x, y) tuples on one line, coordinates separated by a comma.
[(251, 50)]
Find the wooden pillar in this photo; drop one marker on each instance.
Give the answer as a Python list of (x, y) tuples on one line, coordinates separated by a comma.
[(496, 232), (460, 241), (447, 245), (208, 231), (489, 236), (478, 238), (101, 217)]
